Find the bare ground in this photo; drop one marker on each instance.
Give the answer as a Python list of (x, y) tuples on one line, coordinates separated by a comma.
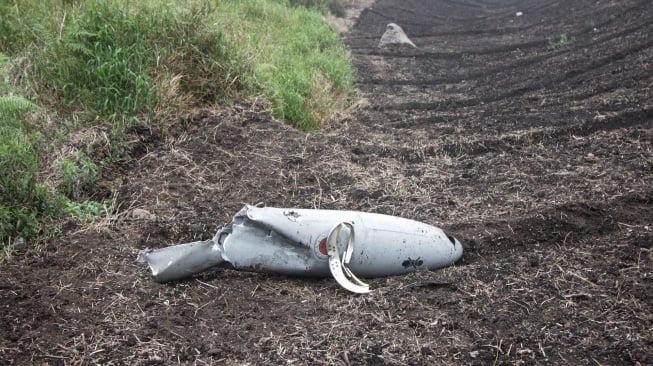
[(537, 154)]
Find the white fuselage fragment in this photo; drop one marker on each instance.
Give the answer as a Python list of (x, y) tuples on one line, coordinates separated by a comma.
[(288, 241), (294, 242), (394, 35)]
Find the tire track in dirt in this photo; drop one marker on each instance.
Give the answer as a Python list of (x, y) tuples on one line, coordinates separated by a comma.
[(536, 154), (490, 100), (520, 100)]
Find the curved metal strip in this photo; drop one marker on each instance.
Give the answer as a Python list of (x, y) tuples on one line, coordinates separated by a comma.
[(338, 267)]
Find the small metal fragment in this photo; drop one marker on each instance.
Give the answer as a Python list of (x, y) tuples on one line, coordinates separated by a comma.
[(394, 35), (19, 243)]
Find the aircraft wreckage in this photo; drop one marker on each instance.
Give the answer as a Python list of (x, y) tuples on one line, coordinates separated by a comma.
[(308, 242)]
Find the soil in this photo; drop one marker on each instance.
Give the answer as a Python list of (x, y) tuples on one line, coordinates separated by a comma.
[(534, 150)]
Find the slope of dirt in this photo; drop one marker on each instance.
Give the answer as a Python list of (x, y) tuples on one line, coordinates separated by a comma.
[(537, 154)]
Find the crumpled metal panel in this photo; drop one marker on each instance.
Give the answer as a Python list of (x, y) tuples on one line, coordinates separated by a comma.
[(180, 261), (293, 242)]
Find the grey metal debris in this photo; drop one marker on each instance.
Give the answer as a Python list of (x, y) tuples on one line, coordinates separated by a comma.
[(394, 35), (307, 242), (19, 243)]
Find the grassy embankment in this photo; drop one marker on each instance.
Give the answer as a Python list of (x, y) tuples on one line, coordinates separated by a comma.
[(73, 75)]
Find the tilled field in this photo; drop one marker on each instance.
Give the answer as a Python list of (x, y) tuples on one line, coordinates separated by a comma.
[(534, 149)]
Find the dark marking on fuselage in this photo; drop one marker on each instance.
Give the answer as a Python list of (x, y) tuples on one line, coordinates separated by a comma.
[(412, 262)]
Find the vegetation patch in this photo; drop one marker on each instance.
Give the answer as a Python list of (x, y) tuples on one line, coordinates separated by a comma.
[(562, 42), (69, 67), (24, 203), (300, 64)]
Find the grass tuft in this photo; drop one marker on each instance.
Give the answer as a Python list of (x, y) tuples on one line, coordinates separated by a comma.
[(562, 42), (69, 67), (301, 65)]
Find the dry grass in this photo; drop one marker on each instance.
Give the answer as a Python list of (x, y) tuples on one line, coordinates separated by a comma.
[(522, 294), (557, 265)]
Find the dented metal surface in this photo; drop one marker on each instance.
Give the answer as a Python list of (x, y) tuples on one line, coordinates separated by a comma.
[(180, 261), (301, 242)]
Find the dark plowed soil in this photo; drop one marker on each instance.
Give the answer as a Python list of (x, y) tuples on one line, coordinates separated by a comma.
[(536, 151)]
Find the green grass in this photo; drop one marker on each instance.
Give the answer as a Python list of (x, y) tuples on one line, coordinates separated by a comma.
[(300, 63), (556, 43), (123, 60), (335, 7), (23, 202), (114, 63), (29, 208)]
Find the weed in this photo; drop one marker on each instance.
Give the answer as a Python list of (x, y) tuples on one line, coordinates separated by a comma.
[(562, 42), (23, 202), (167, 305), (115, 63), (335, 7), (13, 105), (121, 60), (77, 176), (87, 211), (328, 357), (300, 63)]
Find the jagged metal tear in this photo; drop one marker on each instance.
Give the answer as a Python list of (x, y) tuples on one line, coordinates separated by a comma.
[(294, 242), (181, 261)]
